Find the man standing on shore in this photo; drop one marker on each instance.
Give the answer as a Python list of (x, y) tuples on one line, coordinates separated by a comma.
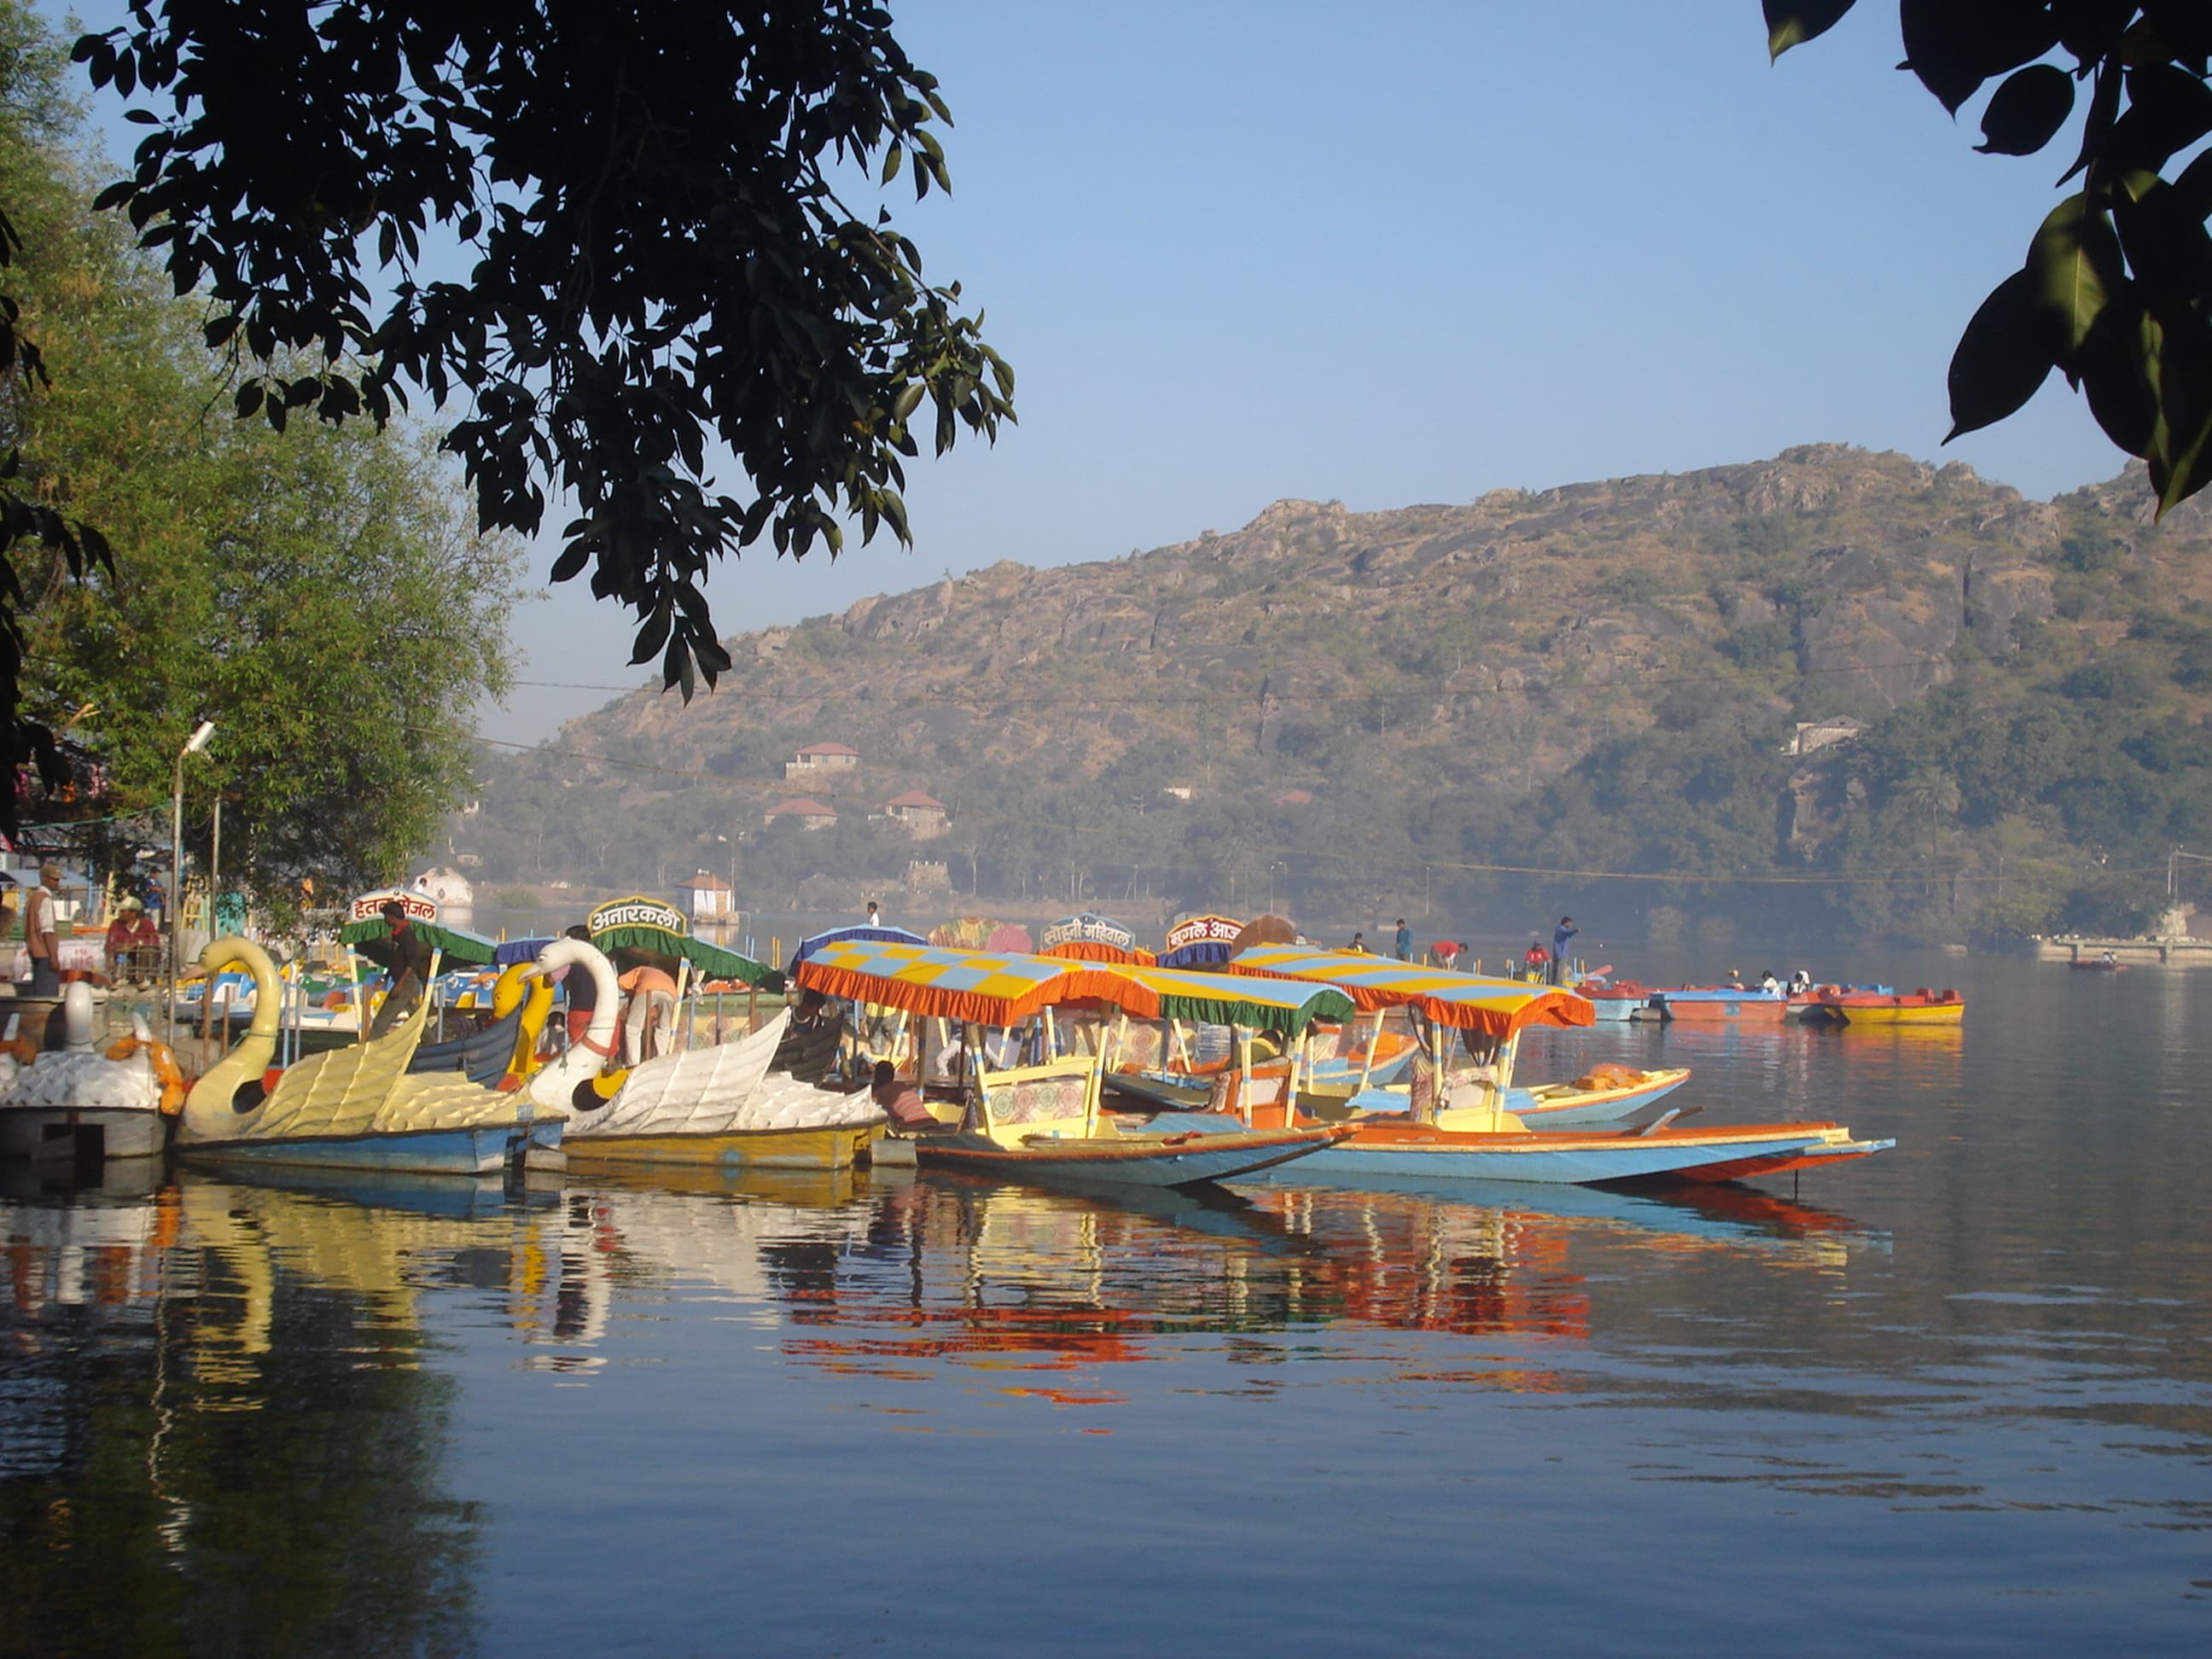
[(1402, 947), (38, 932)]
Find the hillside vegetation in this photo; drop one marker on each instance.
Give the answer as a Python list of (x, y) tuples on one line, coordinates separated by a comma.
[(1518, 701)]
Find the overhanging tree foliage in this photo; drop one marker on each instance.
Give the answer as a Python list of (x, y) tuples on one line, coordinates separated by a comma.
[(657, 255), (2116, 291), (318, 593)]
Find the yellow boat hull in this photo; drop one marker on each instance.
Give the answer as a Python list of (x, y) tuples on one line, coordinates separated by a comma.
[(1937, 1013), (838, 1148)]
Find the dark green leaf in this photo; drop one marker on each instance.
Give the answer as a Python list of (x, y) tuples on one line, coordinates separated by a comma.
[(1793, 22), (2008, 350), (2074, 261), (2026, 111)]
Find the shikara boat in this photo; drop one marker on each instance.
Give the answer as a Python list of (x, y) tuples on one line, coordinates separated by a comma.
[(1920, 1007), (353, 1107), (1044, 1122), (1464, 1129), (714, 1105), (1445, 999)]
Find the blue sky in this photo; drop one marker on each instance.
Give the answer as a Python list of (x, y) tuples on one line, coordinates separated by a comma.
[(1405, 251)]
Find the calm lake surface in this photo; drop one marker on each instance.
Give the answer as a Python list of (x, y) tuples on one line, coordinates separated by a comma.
[(1955, 1397)]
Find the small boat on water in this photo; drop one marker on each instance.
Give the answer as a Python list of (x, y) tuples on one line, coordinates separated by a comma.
[(1724, 1005), (353, 1107), (84, 1100), (1460, 1126), (712, 1106), (2104, 964), (1854, 1007), (1043, 1122)]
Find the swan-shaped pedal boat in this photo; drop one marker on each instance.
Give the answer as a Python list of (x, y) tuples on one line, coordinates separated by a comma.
[(354, 1108), (714, 1105), (86, 1100)]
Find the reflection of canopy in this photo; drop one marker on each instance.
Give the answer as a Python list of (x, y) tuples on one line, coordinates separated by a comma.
[(1497, 1006), (1200, 941), (372, 938), (1005, 990), (1086, 936), (859, 931), (654, 929)]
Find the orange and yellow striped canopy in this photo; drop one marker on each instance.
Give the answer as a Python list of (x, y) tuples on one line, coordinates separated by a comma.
[(1463, 1001)]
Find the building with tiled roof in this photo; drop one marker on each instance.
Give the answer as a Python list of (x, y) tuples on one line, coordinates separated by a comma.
[(923, 816), (811, 814), (822, 757), (707, 896)]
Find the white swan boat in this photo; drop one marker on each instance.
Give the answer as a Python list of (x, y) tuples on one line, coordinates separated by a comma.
[(85, 1101), (712, 1105), (353, 1108)]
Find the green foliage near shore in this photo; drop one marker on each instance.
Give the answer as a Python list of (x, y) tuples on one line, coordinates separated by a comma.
[(317, 593)]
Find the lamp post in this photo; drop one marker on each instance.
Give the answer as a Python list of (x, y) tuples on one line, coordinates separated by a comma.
[(193, 745)]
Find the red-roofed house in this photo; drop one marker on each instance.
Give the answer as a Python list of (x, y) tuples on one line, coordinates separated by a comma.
[(924, 816), (822, 757), (705, 896), (811, 814)]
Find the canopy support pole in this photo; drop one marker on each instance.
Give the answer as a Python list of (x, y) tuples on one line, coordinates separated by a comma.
[(1367, 1063)]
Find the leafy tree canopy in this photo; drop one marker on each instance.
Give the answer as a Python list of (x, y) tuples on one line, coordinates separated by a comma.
[(2116, 291), (649, 190), (319, 593)]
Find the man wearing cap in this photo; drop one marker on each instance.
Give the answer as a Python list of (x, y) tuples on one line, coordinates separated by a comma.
[(410, 970), (38, 932), (133, 942)]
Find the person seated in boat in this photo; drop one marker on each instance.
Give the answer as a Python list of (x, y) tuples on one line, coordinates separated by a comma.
[(810, 1039), (901, 1101), (134, 943), (1801, 982), (1359, 946), (2108, 959), (649, 1016), (1767, 982), (1736, 979), (1536, 961)]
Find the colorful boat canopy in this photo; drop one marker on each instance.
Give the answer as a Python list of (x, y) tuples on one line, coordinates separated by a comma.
[(996, 989), (1086, 936), (861, 932), (942, 984), (648, 925), (1200, 941), (1253, 1003), (1464, 1001), (371, 938), (512, 951)]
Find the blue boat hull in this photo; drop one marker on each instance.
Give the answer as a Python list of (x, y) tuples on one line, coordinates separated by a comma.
[(1139, 1163), (480, 1150)]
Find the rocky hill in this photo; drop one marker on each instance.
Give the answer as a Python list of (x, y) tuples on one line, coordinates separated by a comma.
[(1344, 704)]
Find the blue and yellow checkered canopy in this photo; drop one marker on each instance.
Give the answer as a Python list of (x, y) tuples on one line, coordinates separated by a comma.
[(1463, 1001)]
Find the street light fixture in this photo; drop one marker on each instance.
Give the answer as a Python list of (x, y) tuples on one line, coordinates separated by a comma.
[(193, 745)]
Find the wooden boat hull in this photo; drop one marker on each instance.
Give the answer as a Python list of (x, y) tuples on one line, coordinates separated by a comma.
[(61, 1131), (477, 1149), (1729, 1153), (1937, 1013), (1549, 1105), (1721, 1008), (840, 1148), (1182, 1160)]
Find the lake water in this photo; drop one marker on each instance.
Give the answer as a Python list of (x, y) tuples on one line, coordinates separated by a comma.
[(1956, 1397)]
